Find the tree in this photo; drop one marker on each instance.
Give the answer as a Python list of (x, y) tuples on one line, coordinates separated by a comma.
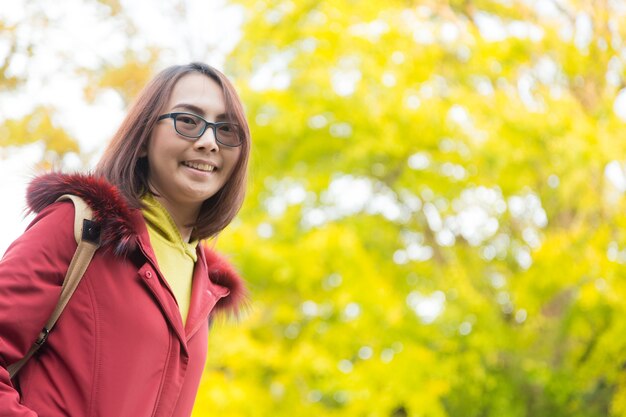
[(429, 230)]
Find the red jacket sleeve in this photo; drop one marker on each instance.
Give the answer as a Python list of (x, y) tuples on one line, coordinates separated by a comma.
[(31, 275)]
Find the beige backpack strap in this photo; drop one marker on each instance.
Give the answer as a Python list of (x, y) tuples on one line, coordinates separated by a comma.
[(87, 235)]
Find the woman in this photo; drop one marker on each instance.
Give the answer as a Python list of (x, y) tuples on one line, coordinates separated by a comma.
[(132, 341)]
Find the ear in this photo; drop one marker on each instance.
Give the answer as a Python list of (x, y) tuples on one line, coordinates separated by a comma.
[(143, 151)]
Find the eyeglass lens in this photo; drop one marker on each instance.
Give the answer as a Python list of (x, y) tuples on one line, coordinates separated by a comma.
[(193, 126)]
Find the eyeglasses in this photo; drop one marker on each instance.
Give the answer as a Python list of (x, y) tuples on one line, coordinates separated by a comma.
[(193, 127)]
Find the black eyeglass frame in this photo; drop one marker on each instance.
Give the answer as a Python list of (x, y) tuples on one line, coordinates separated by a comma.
[(207, 124)]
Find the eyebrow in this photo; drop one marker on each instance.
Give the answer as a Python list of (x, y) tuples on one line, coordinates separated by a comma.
[(197, 110)]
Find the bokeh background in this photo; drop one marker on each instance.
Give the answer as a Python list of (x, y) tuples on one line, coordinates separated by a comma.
[(435, 219)]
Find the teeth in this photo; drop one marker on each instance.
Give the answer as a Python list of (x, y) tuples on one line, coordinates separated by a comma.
[(200, 166)]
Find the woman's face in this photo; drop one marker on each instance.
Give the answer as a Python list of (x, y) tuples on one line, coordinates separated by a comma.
[(182, 172)]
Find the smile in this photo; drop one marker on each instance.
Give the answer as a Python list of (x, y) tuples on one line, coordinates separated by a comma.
[(199, 166)]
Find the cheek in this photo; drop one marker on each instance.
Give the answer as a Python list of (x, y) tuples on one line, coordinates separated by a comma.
[(232, 162), (161, 150), (159, 166)]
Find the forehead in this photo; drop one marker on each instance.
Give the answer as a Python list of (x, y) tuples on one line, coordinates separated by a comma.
[(199, 91)]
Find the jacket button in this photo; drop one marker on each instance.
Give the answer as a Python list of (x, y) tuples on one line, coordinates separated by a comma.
[(148, 274)]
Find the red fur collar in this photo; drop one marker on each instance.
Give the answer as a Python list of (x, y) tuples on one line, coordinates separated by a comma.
[(115, 216)]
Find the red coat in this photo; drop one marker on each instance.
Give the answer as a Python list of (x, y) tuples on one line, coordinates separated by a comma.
[(120, 348)]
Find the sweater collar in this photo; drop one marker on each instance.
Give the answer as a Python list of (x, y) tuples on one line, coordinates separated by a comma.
[(161, 224)]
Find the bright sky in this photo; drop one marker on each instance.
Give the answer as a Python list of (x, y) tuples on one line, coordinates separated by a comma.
[(78, 34)]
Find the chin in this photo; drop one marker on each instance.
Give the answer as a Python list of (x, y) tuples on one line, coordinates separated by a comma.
[(201, 198)]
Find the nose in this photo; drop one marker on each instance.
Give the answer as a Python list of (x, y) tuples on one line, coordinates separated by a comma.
[(207, 141)]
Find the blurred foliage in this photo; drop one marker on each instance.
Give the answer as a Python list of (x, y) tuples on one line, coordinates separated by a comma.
[(25, 45), (434, 222), (429, 229), (37, 126), (126, 78)]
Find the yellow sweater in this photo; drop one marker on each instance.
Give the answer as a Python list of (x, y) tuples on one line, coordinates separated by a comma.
[(176, 258)]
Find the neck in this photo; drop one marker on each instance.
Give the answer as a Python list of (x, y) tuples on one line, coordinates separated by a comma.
[(182, 216)]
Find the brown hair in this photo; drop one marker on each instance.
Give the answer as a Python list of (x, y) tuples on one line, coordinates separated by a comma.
[(123, 167)]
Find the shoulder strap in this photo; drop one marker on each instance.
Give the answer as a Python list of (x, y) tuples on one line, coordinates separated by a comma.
[(87, 235)]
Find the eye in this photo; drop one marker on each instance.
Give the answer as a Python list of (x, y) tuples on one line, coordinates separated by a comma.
[(187, 119), (228, 129)]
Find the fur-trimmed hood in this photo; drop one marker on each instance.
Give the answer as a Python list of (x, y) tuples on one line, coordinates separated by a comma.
[(118, 233)]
